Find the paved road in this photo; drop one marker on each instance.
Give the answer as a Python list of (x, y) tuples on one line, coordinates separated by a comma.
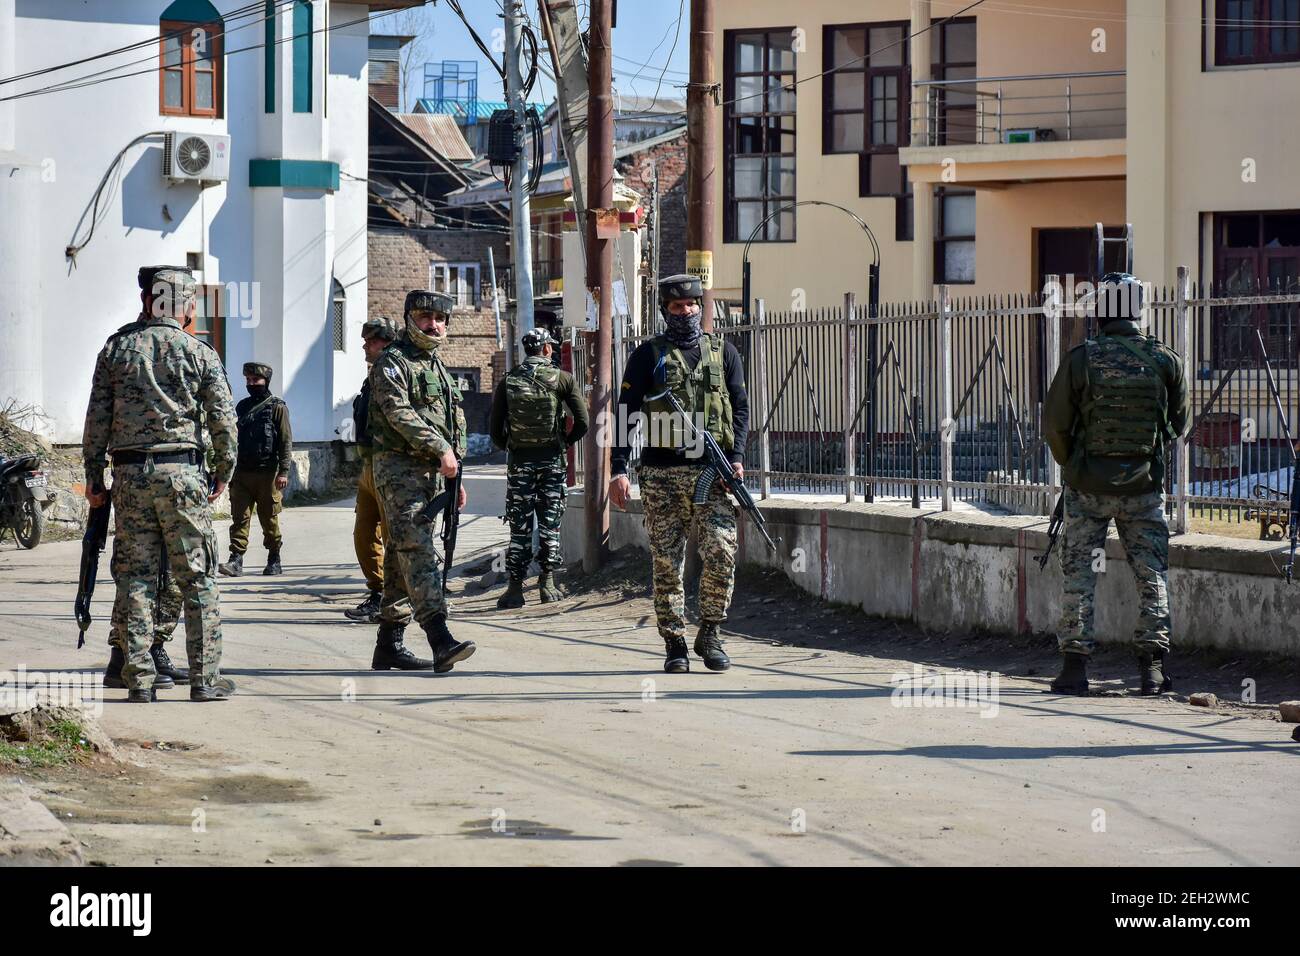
[(561, 741)]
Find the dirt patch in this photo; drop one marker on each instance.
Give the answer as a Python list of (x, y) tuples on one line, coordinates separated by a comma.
[(50, 736), (808, 623)]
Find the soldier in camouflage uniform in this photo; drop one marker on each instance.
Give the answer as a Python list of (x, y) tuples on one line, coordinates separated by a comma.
[(707, 377), (1115, 405), (166, 615), (528, 411), (417, 431), (153, 387)]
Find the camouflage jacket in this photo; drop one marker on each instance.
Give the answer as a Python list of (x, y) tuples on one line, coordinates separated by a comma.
[(154, 384), (414, 404)]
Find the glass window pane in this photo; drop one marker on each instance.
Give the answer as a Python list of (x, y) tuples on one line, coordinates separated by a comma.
[(959, 261), (849, 46), (885, 175), (1241, 232), (846, 132), (886, 46), (780, 226), (749, 94), (749, 53), (846, 91), (780, 99), (1281, 229), (749, 136), (172, 89), (959, 215), (200, 40), (780, 52), (960, 41), (203, 91), (963, 94), (780, 177), (748, 215), (171, 51), (785, 143), (749, 178)]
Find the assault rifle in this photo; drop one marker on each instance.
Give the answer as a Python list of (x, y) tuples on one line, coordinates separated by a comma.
[(718, 468), (1053, 530), (93, 543), (448, 504)]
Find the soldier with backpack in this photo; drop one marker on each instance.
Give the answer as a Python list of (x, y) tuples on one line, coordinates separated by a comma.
[(528, 411)]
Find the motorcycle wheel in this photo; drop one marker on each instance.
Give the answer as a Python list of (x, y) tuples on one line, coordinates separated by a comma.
[(29, 524)]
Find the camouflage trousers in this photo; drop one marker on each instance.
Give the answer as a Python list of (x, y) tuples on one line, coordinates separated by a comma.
[(166, 612), (535, 489), (1140, 521), (670, 514), (412, 572), (159, 506)]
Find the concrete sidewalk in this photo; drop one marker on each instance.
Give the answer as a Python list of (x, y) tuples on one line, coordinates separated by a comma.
[(562, 742)]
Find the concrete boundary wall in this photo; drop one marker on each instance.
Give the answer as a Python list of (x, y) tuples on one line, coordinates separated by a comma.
[(974, 571)]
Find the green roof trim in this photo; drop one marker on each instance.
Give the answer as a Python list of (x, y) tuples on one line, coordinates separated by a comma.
[(191, 11), (294, 173)]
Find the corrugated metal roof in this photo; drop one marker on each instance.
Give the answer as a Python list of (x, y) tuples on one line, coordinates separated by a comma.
[(483, 109), (441, 133)]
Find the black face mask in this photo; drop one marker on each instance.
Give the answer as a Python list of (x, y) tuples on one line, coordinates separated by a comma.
[(259, 392)]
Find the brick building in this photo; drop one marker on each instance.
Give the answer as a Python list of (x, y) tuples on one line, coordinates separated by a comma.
[(665, 154)]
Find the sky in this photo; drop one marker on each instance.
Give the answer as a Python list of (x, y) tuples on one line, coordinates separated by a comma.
[(643, 39)]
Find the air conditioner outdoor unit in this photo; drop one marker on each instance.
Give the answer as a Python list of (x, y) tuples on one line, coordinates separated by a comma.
[(196, 157)]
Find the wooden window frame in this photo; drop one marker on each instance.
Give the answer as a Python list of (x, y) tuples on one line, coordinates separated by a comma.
[(216, 41), (768, 203), (1263, 12), (903, 72), (940, 67), (212, 296), (941, 239)]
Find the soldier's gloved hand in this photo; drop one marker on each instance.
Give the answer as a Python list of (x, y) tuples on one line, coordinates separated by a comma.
[(447, 464), (217, 490), (620, 490)]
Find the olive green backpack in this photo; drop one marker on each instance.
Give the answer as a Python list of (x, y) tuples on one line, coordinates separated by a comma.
[(533, 405)]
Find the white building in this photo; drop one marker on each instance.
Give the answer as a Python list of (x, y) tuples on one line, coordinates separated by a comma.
[(280, 242)]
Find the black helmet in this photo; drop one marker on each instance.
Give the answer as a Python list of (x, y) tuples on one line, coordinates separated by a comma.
[(680, 287), (1119, 297)]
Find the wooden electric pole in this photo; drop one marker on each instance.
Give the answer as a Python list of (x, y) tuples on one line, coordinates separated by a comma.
[(600, 281), (701, 150)]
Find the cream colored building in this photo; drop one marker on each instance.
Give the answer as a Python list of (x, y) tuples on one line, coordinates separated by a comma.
[(1019, 126)]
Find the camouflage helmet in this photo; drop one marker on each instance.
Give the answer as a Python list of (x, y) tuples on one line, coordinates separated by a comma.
[(1119, 297), (172, 291), (424, 301), (258, 370), (534, 340), (380, 327), (146, 274), (680, 287)]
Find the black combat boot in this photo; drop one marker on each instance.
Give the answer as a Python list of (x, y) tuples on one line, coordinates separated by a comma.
[(447, 651), (234, 567), (514, 596), (142, 695), (708, 645), (220, 689), (392, 654), (1151, 672), (675, 659), (273, 563), (547, 588), (1073, 678), (367, 610), (113, 672), (163, 666)]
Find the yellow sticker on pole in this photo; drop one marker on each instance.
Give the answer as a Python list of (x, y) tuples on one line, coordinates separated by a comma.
[(700, 263)]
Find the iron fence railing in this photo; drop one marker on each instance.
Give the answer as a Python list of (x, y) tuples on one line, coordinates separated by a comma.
[(943, 401)]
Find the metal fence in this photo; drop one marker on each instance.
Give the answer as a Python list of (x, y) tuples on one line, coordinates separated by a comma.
[(943, 401)]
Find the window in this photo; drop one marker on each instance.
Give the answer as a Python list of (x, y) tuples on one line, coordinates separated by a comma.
[(1256, 31), (209, 318), (339, 313), (954, 236), (190, 78), (302, 47), (759, 135), (548, 250), (1257, 254), (459, 279), (952, 57)]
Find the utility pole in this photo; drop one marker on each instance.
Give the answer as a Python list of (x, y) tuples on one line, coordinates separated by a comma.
[(600, 281), (520, 226), (701, 149)]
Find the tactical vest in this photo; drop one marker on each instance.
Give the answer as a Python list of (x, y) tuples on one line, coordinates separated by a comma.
[(533, 405), (257, 437), (701, 391), (431, 391), (1125, 412), (361, 418)]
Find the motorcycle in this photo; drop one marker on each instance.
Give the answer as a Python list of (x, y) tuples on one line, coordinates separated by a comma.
[(23, 497)]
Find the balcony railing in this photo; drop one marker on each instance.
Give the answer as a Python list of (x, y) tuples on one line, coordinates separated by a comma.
[(1018, 109)]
